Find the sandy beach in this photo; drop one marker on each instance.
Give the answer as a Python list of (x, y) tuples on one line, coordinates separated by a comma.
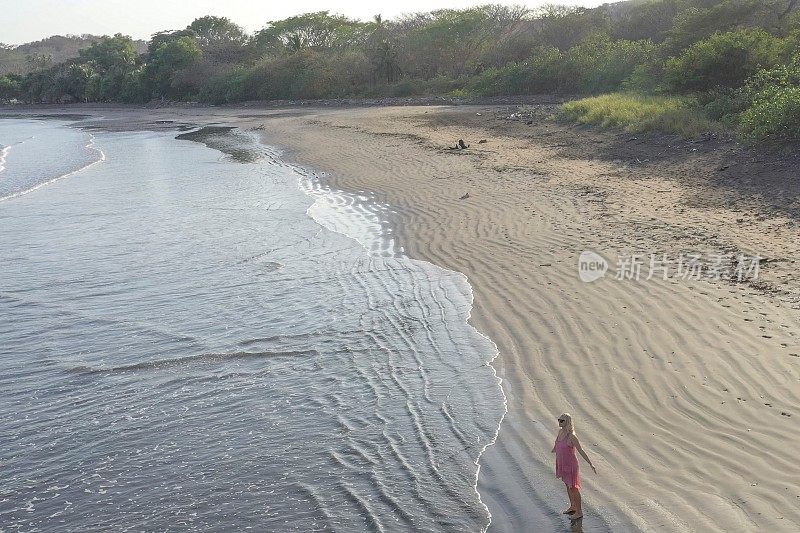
[(684, 391)]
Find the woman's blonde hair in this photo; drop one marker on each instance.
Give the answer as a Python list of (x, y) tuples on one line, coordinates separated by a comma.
[(569, 425)]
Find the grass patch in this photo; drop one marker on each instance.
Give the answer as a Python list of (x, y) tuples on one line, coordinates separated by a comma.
[(636, 113)]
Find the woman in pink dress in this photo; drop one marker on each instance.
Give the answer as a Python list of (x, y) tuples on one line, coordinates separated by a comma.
[(567, 463)]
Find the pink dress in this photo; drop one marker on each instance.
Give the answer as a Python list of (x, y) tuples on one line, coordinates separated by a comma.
[(567, 464)]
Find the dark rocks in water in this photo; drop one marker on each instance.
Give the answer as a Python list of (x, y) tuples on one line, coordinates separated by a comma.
[(483, 141), (224, 139), (204, 133)]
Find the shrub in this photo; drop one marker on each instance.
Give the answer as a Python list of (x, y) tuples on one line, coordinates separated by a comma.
[(601, 64), (308, 74), (514, 78), (225, 88), (550, 71), (774, 115), (693, 23), (774, 104), (407, 88), (547, 71), (724, 60), (724, 104), (780, 76), (645, 78)]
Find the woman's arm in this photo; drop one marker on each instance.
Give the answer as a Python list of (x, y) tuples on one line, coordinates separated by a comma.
[(577, 444)]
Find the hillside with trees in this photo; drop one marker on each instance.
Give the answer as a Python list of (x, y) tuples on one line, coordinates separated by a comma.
[(39, 55), (732, 62)]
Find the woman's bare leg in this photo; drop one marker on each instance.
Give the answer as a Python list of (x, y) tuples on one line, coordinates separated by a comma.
[(571, 508), (575, 499)]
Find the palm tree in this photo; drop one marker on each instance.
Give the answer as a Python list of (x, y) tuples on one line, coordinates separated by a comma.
[(386, 65)]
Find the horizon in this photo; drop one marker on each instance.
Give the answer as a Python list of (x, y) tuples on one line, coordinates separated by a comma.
[(39, 19)]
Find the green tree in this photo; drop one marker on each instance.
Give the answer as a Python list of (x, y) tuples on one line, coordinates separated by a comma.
[(103, 70), (448, 42), (111, 53), (11, 87), (648, 20), (384, 62), (212, 31), (563, 26), (703, 19), (80, 80), (724, 60), (319, 30), (165, 62), (38, 62), (601, 64), (382, 52), (164, 37), (39, 87)]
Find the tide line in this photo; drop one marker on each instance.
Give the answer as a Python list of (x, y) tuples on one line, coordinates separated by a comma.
[(360, 219), (3, 153), (6, 149), (89, 145)]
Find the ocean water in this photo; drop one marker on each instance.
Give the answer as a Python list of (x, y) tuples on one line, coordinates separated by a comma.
[(195, 335), (35, 152)]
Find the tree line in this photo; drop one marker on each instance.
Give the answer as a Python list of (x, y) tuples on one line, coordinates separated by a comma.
[(735, 57)]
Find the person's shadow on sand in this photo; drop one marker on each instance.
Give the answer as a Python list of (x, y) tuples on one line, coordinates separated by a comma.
[(576, 526)]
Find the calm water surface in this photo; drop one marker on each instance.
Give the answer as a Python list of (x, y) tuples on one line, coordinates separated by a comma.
[(184, 346)]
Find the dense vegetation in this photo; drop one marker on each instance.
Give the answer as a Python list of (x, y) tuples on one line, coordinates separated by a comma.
[(37, 55), (733, 61)]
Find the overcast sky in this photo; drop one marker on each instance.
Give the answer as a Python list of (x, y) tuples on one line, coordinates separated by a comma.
[(23, 21)]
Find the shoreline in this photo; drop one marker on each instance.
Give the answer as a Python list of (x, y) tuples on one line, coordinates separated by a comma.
[(676, 386), (350, 214), (623, 515), (547, 511), (7, 149), (390, 247)]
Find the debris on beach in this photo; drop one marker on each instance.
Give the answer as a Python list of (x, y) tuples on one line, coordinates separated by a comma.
[(530, 114), (464, 196), (482, 141), (460, 145)]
